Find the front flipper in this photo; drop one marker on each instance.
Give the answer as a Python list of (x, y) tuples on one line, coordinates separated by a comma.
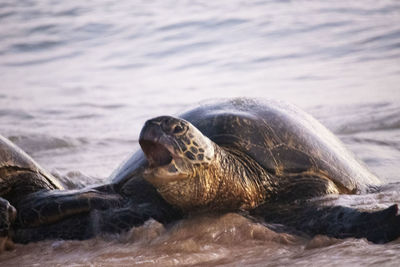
[(336, 221), (87, 225), (41, 208)]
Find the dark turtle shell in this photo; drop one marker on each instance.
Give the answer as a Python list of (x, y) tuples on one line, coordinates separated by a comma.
[(20, 174), (283, 139)]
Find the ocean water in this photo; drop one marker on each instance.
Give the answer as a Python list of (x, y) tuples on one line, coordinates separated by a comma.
[(79, 78)]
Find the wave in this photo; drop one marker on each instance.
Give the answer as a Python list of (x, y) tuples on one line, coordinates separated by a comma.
[(352, 119), (73, 179), (42, 142)]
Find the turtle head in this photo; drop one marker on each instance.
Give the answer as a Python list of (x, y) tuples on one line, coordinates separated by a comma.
[(192, 172), (174, 149)]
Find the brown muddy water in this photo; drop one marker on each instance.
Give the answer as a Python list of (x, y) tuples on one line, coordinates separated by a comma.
[(79, 78)]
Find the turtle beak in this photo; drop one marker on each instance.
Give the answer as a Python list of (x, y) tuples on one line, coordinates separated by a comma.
[(155, 144)]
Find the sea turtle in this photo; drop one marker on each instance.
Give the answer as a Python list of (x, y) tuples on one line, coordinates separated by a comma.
[(264, 159)]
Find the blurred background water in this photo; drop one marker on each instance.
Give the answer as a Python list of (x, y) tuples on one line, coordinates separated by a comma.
[(79, 78)]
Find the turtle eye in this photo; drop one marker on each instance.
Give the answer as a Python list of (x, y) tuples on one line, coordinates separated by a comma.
[(178, 129), (173, 126)]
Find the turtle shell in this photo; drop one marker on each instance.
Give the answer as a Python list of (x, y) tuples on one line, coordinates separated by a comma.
[(282, 139), (19, 173)]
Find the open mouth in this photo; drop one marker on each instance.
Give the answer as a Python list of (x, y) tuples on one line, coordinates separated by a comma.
[(156, 154)]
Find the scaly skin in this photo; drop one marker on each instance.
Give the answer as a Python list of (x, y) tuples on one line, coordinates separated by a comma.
[(222, 185)]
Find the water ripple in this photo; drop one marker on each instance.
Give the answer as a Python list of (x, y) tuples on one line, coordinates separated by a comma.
[(363, 11), (382, 37), (72, 12), (202, 24), (42, 60), (179, 49), (6, 14), (16, 114), (35, 46), (44, 28)]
